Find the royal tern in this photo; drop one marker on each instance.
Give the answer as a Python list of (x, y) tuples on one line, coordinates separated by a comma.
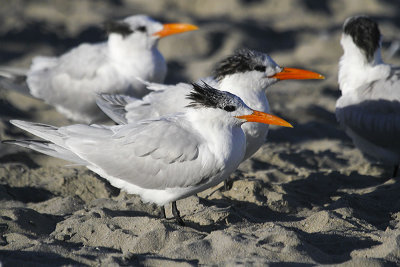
[(369, 108), (71, 81), (246, 73), (164, 159)]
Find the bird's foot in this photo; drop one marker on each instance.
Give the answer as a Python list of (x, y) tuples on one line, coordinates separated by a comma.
[(162, 215), (177, 214), (227, 185)]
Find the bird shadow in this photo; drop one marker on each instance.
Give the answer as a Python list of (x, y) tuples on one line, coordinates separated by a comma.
[(22, 158), (330, 248), (141, 258), (34, 258), (25, 194), (332, 191)]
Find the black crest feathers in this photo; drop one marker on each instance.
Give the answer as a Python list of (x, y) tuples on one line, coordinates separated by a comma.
[(118, 27), (204, 95), (241, 61), (365, 34)]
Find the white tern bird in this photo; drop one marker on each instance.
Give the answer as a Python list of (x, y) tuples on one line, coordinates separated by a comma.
[(369, 108), (71, 81), (246, 73), (164, 159)]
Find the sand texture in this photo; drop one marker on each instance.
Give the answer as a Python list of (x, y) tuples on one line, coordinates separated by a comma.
[(308, 197)]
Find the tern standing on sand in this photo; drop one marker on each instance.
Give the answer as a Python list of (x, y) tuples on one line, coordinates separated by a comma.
[(165, 159), (71, 81), (369, 108)]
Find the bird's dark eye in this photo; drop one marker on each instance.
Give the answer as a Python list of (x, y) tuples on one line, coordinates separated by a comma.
[(260, 68), (141, 29), (229, 108)]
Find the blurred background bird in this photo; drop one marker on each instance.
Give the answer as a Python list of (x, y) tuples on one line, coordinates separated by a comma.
[(70, 82), (369, 108)]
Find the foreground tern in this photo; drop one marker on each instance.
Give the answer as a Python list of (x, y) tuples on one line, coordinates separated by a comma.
[(165, 159), (71, 81), (369, 108), (246, 73)]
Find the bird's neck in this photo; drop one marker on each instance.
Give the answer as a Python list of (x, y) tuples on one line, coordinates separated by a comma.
[(251, 91), (125, 49), (355, 70), (223, 133)]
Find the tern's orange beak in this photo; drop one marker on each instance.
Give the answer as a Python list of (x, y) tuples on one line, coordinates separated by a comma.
[(175, 28), (297, 74), (258, 116)]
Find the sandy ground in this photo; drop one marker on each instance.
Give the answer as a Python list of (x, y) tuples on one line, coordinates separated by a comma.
[(308, 197)]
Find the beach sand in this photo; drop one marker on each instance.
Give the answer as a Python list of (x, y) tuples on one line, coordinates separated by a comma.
[(307, 197)]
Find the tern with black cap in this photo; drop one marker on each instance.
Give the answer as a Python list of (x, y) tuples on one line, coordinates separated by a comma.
[(165, 159), (369, 108), (246, 73)]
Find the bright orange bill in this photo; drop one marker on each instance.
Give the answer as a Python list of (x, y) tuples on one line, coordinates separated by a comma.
[(297, 74), (261, 117), (175, 28)]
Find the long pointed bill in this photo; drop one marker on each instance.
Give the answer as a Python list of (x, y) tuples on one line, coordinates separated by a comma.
[(261, 117), (297, 74), (175, 28)]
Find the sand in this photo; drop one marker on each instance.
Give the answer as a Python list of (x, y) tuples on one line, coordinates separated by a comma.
[(308, 197)]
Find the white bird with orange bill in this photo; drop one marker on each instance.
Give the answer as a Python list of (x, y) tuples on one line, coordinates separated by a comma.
[(165, 159), (70, 82), (246, 73)]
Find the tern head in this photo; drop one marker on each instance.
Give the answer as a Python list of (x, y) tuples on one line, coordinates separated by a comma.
[(254, 69), (228, 106), (361, 32), (144, 30)]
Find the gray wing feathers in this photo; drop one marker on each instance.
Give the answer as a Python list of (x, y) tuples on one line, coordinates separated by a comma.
[(378, 121), (170, 100), (44, 131), (374, 112), (166, 99), (49, 149), (114, 106), (150, 154)]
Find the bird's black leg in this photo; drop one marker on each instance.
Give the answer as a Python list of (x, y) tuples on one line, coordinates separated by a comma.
[(176, 214), (228, 183), (163, 213), (396, 169)]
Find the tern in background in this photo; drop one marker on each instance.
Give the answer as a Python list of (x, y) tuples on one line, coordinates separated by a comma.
[(70, 82), (369, 108), (246, 73), (165, 159)]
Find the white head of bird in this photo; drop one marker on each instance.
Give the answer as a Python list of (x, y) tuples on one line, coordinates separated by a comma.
[(227, 108), (252, 69), (141, 32), (361, 62)]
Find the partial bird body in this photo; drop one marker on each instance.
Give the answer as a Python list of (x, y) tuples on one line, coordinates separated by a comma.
[(71, 81), (246, 74), (369, 108)]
